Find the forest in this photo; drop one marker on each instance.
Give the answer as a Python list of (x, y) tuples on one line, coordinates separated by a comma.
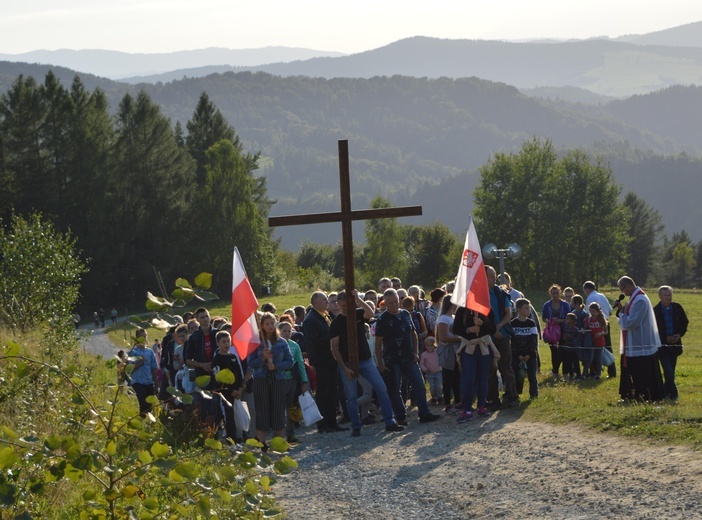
[(138, 175)]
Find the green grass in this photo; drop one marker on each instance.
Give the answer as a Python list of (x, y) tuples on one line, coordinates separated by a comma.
[(595, 404)]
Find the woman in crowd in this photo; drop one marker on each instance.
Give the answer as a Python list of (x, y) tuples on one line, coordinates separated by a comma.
[(269, 363), (557, 309), (296, 377), (448, 344), (476, 353)]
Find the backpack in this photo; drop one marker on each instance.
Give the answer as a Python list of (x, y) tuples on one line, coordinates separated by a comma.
[(552, 332)]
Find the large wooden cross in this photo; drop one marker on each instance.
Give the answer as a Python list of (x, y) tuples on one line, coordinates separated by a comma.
[(346, 216)]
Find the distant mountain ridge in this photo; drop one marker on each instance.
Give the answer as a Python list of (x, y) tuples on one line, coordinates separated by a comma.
[(117, 65)]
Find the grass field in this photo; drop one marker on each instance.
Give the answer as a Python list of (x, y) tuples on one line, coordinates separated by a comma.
[(589, 404)]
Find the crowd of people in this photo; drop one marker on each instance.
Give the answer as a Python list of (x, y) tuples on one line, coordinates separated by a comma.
[(405, 342)]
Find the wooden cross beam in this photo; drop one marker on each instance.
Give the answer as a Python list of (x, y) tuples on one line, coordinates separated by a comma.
[(346, 216)]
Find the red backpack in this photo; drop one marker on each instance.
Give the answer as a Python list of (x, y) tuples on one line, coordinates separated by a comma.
[(552, 332)]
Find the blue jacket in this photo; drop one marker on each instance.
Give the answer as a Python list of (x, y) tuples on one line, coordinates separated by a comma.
[(281, 356)]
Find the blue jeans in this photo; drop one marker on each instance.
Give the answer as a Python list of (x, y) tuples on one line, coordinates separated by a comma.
[(475, 370), (369, 371), (531, 376), (434, 381), (668, 362), (394, 370)]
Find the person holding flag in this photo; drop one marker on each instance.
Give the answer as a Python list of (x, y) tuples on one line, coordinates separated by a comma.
[(244, 331), (474, 323)]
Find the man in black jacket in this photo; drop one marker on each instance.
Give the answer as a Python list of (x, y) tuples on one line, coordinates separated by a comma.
[(672, 326), (315, 327)]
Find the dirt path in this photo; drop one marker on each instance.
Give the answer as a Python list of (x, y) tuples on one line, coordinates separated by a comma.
[(502, 467)]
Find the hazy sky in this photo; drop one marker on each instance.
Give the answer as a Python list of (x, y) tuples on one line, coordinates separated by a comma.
[(169, 25)]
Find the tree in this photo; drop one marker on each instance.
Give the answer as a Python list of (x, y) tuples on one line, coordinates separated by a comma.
[(435, 255), (205, 128), (645, 226), (564, 213), (231, 209), (40, 274), (146, 191), (24, 162), (386, 248)]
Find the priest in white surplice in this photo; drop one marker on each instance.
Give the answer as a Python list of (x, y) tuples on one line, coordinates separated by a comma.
[(640, 376)]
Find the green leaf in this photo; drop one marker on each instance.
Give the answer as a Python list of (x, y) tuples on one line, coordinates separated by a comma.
[(145, 457), (138, 322), (247, 460), (129, 491), (187, 399), (73, 474), (8, 432), (224, 495), (182, 293), (89, 494), (83, 462), (228, 473), (213, 444), (203, 381), (175, 476), (203, 280), (226, 377), (265, 483), (254, 443), (53, 442), (160, 450), (12, 349), (22, 369), (7, 457), (135, 424), (205, 295), (152, 399), (31, 439), (111, 495), (156, 303), (187, 470), (279, 444), (111, 448), (182, 282), (271, 513), (151, 504), (203, 506)]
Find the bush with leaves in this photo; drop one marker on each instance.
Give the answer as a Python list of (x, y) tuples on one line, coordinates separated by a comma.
[(117, 463), (40, 273)]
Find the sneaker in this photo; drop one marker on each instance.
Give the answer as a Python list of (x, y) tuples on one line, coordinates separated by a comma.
[(368, 419), (465, 417), (514, 403), (356, 432), (448, 410), (430, 417), (458, 406), (394, 427), (483, 412), (293, 440), (402, 422)]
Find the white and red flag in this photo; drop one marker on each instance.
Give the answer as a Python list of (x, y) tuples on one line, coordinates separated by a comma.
[(245, 337), (471, 290)]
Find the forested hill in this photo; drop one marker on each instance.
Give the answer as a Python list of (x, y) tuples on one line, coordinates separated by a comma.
[(407, 134), (608, 67)]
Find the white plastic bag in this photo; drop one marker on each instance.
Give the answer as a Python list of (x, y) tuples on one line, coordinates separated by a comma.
[(242, 417), (310, 412)]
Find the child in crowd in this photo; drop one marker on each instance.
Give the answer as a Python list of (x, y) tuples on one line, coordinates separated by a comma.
[(569, 355), (429, 363), (525, 343), (226, 393), (597, 325)]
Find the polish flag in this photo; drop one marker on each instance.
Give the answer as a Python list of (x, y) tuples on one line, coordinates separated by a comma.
[(245, 336), (471, 290)]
